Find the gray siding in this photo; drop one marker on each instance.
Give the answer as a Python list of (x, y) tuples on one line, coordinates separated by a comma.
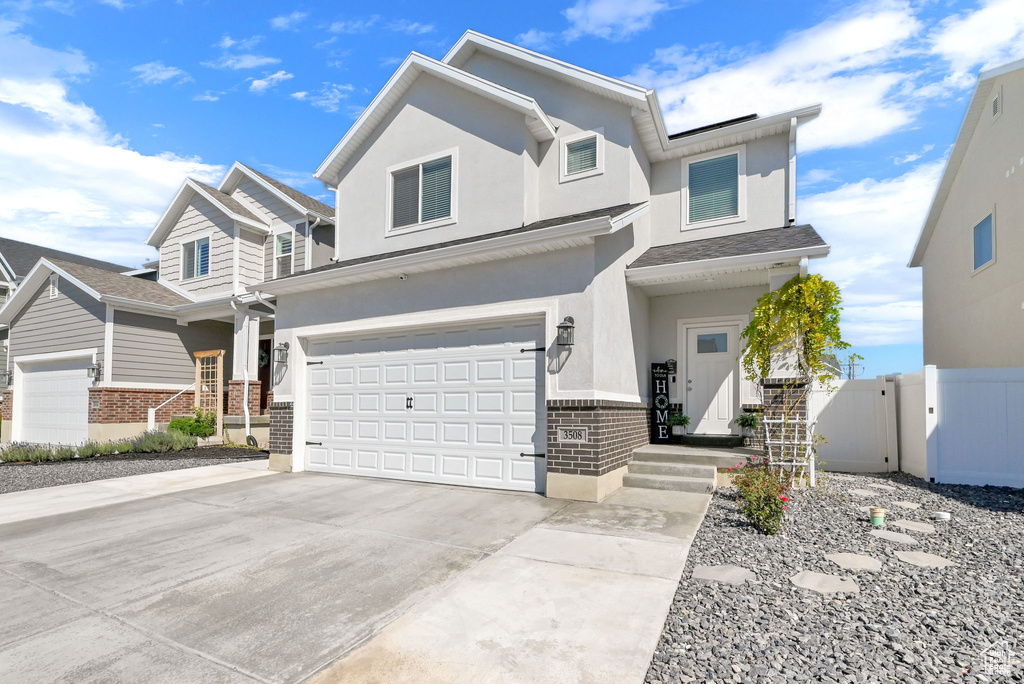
[(298, 247), (73, 320), (322, 245), (277, 213), (199, 219), (250, 258), (158, 350)]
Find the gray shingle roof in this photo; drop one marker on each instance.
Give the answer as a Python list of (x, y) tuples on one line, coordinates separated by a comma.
[(22, 256), (610, 212), (117, 285), (230, 203), (740, 244), (305, 201)]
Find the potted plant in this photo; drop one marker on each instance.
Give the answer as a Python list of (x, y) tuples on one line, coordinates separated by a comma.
[(748, 423), (678, 423)]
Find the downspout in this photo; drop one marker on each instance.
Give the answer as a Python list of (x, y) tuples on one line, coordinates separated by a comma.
[(245, 377), (791, 204)]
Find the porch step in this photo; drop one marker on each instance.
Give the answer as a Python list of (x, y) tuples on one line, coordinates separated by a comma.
[(684, 455), (714, 441), (674, 469), (697, 485)]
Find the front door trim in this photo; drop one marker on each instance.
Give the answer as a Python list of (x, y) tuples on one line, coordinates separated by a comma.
[(678, 389)]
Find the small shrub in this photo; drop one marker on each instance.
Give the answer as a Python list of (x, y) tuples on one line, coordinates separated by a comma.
[(203, 424), (92, 449), (63, 453), (747, 421), (162, 442), (764, 498), (678, 419)]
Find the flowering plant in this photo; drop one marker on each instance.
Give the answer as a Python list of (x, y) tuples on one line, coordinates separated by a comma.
[(763, 497)]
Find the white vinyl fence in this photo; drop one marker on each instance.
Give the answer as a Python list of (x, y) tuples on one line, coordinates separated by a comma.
[(958, 426)]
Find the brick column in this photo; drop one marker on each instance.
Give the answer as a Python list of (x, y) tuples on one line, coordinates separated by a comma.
[(592, 469), (236, 391), (7, 406), (281, 430), (778, 394)]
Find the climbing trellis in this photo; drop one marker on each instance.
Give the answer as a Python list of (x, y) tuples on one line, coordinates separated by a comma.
[(789, 443), (210, 384)]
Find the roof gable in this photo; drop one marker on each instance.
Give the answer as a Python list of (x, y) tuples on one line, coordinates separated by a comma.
[(230, 206), (18, 258), (415, 64), (300, 202)]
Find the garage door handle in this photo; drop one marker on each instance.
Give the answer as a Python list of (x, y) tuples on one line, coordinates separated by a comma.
[(534, 455), (314, 443), (536, 349)]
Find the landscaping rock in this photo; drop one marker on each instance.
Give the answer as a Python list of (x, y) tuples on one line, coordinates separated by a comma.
[(909, 505), (824, 584), (913, 526), (897, 537), (924, 560), (888, 488), (855, 561), (864, 492), (727, 574)]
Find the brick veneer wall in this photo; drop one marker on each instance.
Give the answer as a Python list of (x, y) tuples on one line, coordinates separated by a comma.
[(132, 404), (775, 398), (616, 429), (7, 406), (281, 423), (236, 391)]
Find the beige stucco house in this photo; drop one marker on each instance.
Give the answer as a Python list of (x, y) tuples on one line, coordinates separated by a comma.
[(517, 240), (971, 249)]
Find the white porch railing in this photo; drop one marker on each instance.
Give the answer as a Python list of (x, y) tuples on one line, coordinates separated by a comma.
[(151, 424)]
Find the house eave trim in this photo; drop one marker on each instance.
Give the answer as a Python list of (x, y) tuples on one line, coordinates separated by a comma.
[(689, 269)]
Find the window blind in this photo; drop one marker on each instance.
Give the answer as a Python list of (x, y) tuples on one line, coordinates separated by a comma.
[(437, 190), (405, 191), (203, 256), (983, 243), (581, 155), (714, 188)]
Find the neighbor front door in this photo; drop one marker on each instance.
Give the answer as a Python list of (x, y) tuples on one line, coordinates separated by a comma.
[(711, 379)]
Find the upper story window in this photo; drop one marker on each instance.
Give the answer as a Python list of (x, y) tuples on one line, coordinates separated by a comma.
[(714, 188), (284, 248), (984, 243), (423, 192), (195, 258), (582, 156)]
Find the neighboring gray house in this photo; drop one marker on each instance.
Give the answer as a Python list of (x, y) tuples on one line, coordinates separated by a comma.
[(492, 205), (92, 350), (971, 248)]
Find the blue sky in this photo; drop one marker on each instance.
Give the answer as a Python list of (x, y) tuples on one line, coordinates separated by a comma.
[(106, 105)]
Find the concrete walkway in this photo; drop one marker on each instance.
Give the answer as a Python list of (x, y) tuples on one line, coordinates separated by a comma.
[(304, 577), (41, 503)]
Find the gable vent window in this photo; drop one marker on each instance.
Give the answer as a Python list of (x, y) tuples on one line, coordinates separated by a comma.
[(581, 155), (996, 105), (54, 281), (283, 251), (714, 188), (422, 193), (195, 259)]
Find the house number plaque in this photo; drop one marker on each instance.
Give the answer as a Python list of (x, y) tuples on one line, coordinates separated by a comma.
[(574, 434)]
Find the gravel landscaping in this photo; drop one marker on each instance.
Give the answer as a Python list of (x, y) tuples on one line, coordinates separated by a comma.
[(906, 623), (19, 477)]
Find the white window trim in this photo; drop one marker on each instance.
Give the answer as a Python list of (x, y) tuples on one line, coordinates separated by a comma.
[(992, 261), (563, 156), (741, 163), (181, 258), (54, 286), (436, 223), (287, 228)]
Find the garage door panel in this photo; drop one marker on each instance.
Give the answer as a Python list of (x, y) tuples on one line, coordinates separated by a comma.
[(52, 401), (477, 404), (318, 455), (319, 428)]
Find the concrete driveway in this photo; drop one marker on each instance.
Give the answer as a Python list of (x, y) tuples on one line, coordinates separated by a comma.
[(301, 577)]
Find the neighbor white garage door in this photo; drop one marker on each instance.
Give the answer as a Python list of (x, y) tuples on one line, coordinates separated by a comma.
[(460, 405), (52, 401)]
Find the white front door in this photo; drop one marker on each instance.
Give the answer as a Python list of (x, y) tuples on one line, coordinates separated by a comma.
[(461, 405), (52, 401), (711, 378)]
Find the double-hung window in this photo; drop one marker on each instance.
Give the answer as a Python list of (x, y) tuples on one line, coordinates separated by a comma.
[(422, 193), (581, 156), (714, 188), (195, 258), (984, 243), (284, 247)]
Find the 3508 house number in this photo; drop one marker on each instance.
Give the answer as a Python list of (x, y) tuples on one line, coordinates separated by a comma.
[(573, 434)]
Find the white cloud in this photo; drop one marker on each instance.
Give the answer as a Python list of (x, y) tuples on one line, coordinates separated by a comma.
[(301, 95), (816, 176), (208, 96), (535, 39), (913, 157), (354, 26), (872, 226), (152, 73), (611, 19), (989, 36), (328, 98), (412, 28), (244, 44), (287, 22), (244, 61), (64, 178), (262, 85), (848, 64)]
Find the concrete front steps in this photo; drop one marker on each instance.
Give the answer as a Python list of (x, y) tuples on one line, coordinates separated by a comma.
[(681, 468)]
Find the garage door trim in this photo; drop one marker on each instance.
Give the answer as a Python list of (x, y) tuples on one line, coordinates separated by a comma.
[(21, 365)]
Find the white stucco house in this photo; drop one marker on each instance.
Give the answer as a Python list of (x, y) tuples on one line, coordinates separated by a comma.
[(971, 248), (489, 207)]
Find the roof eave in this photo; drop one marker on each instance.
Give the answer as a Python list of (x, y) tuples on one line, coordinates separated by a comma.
[(34, 280), (685, 269), (240, 169), (672, 148)]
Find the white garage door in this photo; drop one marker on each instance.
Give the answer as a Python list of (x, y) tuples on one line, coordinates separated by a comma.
[(456, 405), (53, 401)]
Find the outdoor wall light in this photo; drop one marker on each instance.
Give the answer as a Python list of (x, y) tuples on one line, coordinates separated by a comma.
[(281, 353), (566, 332), (7, 378), (95, 371)]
